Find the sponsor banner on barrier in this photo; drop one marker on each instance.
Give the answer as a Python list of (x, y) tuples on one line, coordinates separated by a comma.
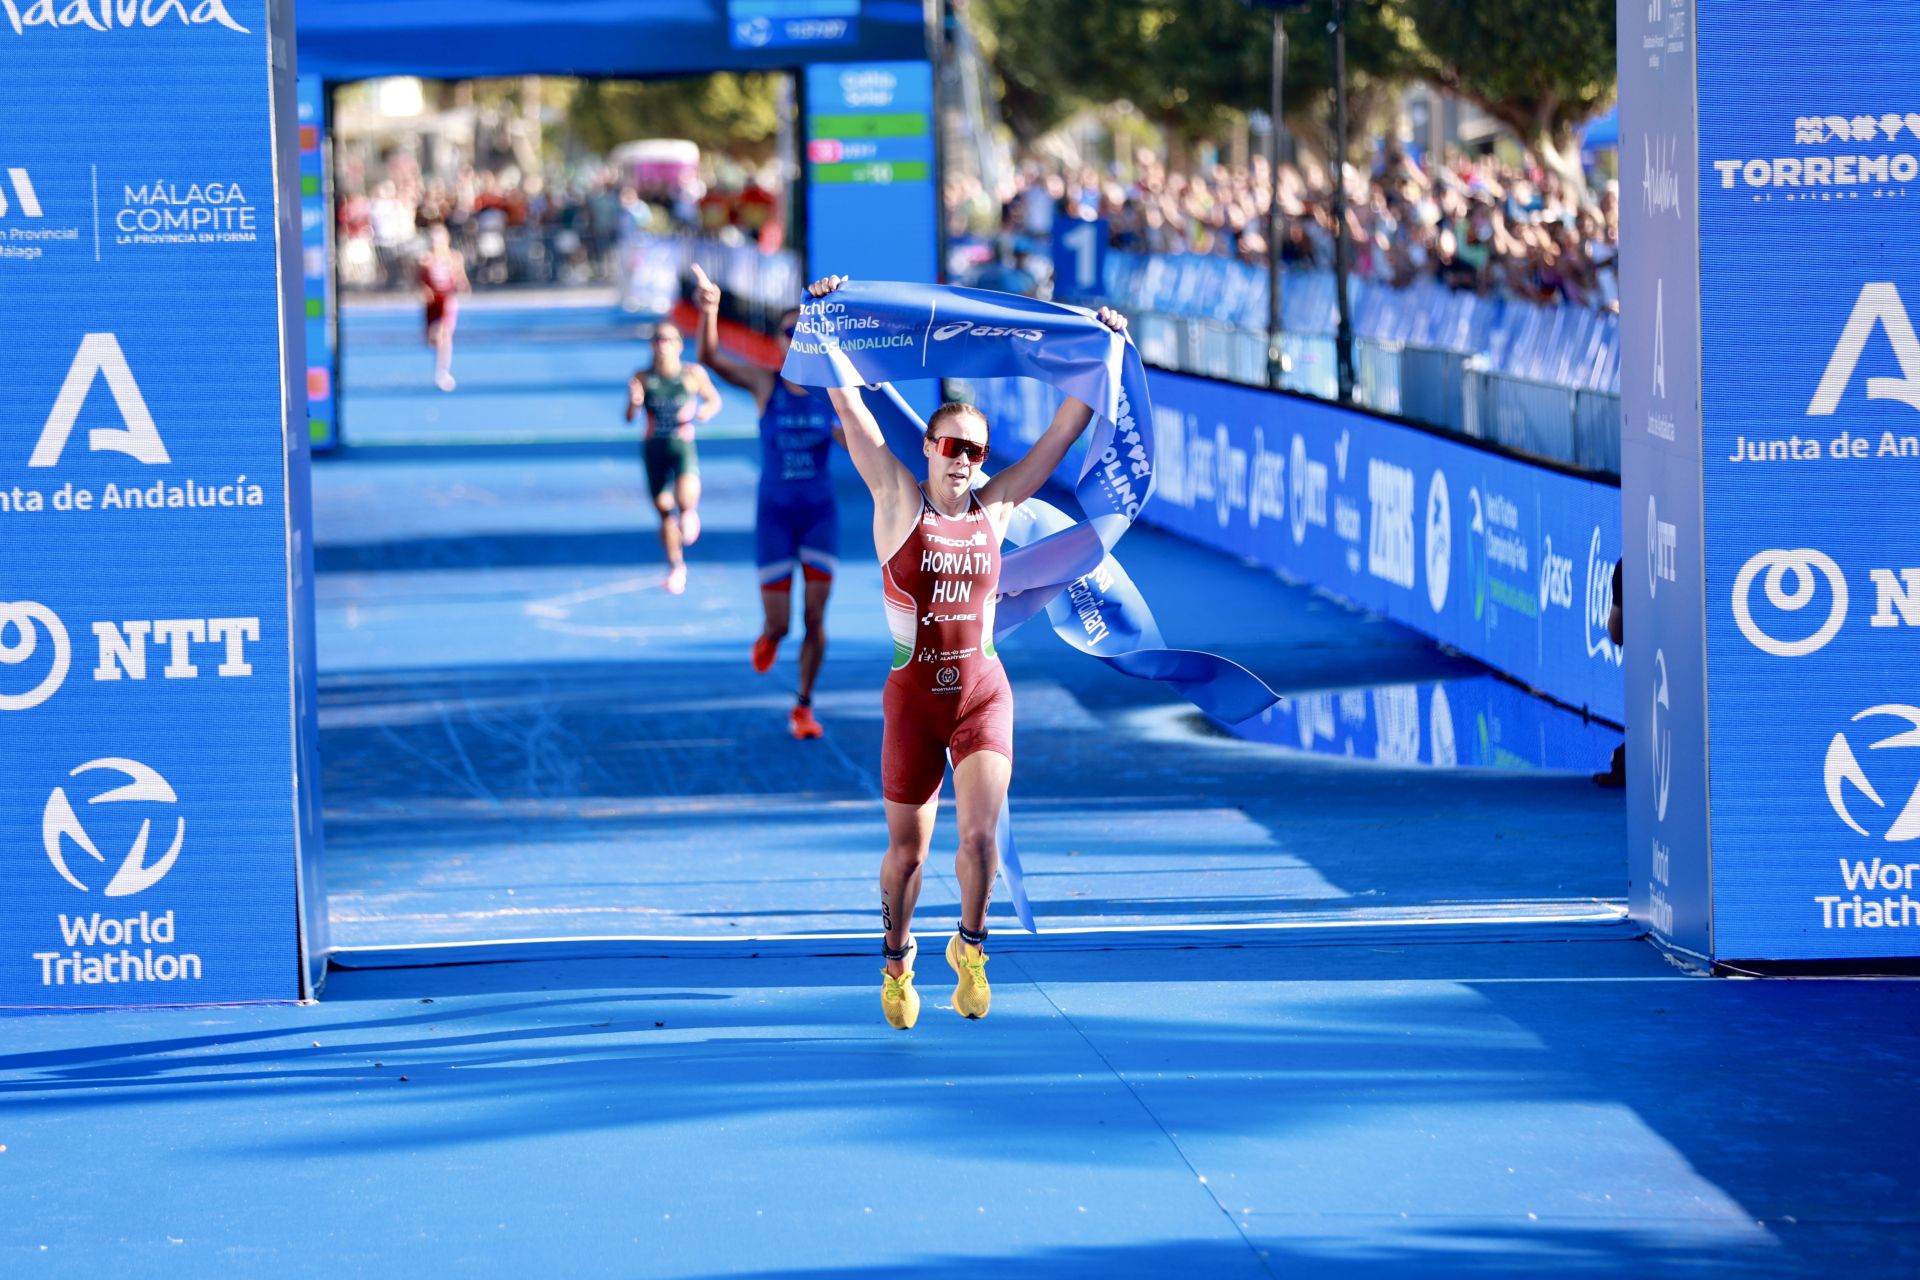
[(146, 764), (1508, 562), (1478, 723), (1810, 283)]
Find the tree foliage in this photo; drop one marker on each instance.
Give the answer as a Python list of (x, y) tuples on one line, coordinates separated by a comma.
[(733, 114), (1539, 69), (1185, 64)]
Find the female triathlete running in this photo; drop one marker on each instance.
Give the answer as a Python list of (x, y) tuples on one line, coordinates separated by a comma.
[(668, 391), (947, 697), (443, 278)]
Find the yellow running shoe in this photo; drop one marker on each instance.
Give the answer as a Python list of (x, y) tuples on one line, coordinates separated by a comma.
[(898, 1000), (969, 963)]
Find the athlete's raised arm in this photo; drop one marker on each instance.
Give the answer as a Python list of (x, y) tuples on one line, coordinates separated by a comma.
[(748, 377), (1015, 484), (896, 494)]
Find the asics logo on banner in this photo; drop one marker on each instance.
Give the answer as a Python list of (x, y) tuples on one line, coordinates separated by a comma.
[(1843, 770), (1439, 541), (959, 327), (1790, 587), (25, 199), (60, 825), (1556, 578), (1663, 543), (105, 15), (24, 621), (1878, 305), (1662, 739), (100, 356)]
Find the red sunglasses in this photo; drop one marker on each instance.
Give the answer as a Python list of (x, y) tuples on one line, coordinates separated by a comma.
[(958, 446)]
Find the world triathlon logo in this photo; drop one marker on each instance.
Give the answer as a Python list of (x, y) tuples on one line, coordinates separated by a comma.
[(1662, 735), (60, 826), (1845, 775)]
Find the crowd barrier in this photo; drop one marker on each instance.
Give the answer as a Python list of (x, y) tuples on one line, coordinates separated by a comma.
[(1505, 560), (1541, 379)]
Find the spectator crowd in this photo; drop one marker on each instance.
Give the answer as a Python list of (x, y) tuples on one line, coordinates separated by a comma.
[(516, 228), (1475, 224)]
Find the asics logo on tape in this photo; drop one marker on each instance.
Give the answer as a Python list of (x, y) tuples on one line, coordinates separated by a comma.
[(958, 327)]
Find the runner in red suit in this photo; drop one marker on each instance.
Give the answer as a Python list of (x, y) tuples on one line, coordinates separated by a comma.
[(939, 546), (443, 278)]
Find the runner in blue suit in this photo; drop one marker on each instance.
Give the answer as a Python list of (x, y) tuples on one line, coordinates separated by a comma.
[(797, 524)]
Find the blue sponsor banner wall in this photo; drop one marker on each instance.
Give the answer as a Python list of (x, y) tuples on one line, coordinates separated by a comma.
[(153, 417), (1808, 173), (1668, 861), (1504, 560)]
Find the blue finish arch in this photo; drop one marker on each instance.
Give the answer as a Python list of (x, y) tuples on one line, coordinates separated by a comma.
[(459, 39)]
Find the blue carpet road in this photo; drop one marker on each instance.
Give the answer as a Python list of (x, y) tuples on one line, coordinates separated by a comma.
[(607, 1003)]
